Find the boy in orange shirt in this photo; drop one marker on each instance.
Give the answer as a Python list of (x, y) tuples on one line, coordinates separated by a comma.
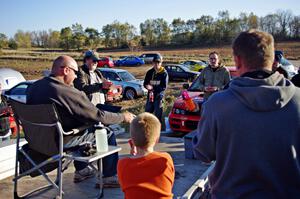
[(147, 173)]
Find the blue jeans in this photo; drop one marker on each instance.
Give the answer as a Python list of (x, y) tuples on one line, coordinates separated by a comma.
[(109, 162), (155, 107)]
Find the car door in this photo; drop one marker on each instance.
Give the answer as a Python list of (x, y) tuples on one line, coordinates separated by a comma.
[(169, 71), (180, 73), (175, 73), (18, 93), (131, 61), (113, 76)]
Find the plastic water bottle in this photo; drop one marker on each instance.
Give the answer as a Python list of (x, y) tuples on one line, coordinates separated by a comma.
[(101, 140), (189, 103)]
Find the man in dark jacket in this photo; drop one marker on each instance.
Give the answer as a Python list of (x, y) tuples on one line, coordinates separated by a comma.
[(156, 81), (251, 129), (214, 77), (74, 109), (90, 80)]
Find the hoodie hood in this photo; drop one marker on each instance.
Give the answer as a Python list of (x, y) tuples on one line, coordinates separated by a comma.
[(263, 95)]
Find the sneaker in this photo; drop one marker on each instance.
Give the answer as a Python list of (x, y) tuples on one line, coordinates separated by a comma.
[(109, 182), (83, 174)]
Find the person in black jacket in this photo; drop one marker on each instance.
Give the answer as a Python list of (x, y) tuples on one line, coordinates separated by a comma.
[(156, 81), (90, 81)]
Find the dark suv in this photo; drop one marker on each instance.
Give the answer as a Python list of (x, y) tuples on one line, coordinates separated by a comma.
[(148, 57)]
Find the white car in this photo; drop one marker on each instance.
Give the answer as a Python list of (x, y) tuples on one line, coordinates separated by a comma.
[(10, 78), (19, 91)]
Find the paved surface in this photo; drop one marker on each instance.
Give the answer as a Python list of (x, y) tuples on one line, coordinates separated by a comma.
[(187, 172)]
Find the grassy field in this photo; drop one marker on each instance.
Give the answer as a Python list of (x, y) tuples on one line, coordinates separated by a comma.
[(31, 63)]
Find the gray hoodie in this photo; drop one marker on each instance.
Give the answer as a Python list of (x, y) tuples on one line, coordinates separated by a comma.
[(252, 130)]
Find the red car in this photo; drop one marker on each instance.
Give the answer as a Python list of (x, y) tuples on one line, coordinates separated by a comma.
[(182, 120), (106, 62)]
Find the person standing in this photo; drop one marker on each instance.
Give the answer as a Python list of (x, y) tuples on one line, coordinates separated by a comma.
[(156, 81), (213, 77), (252, 129)]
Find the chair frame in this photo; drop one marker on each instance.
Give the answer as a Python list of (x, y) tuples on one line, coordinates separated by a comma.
[(59, 157), (196, 190)]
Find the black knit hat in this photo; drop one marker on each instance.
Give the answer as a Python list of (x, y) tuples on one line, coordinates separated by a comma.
[(157, 58)]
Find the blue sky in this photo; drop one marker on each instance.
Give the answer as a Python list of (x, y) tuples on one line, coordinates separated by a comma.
[(30, 15)]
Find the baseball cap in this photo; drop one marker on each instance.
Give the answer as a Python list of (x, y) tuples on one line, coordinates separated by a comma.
[(91, 54), (157, 58)]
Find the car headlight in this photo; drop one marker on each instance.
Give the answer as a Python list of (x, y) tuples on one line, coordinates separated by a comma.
[(179, 111)]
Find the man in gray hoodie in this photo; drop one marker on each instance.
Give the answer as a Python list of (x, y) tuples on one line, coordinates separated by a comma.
[(252, 129)]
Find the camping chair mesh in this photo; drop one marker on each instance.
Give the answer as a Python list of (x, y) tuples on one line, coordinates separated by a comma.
[(44, 134)]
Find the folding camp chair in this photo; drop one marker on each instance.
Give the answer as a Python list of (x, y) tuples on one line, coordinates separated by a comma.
[(44, 134)]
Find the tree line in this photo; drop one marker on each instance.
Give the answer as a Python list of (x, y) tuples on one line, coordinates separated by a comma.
[(206, 30)]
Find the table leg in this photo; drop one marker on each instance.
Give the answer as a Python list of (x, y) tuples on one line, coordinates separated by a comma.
[(99, 162)]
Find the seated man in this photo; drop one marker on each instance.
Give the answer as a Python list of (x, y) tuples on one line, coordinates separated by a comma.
[(74, 109)]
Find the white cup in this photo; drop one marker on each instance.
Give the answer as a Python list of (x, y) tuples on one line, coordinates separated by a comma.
[(101, 140)]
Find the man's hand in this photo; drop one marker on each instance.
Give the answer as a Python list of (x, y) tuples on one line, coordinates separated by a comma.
[(149, 87), (106, 84), (128, 117)]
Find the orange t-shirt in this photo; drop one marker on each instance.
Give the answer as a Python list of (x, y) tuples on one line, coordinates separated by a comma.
[(151, 176)]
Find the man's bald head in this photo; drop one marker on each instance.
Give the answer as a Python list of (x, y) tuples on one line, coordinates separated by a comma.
[(61, 62)]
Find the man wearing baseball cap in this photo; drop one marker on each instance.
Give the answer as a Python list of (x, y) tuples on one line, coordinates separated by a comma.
[(90, 80), (156, 81)]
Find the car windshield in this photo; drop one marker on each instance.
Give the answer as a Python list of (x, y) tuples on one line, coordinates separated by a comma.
[(126, 76), (195, 85)]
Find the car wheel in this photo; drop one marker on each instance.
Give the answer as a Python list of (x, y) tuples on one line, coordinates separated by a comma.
[(130, 93), (105, 66)]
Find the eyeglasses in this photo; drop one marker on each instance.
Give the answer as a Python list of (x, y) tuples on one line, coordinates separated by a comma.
[(75, 71)]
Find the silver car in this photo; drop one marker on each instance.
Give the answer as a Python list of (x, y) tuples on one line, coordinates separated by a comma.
[(148, 57), (132, 87)]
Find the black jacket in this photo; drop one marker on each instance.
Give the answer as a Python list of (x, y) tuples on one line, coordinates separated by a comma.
[(159, 81), (83, 81)]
